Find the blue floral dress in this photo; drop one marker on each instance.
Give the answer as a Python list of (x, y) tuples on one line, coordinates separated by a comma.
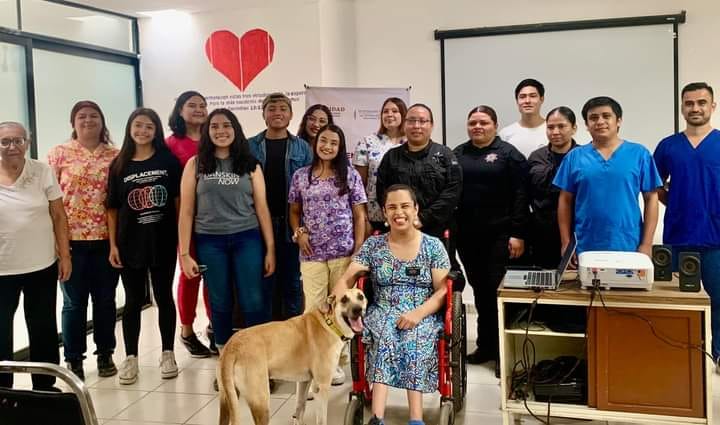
[(402, 358)]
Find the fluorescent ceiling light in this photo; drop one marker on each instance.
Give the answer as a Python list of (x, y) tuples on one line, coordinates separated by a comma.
[(165, 13), (91, 18)]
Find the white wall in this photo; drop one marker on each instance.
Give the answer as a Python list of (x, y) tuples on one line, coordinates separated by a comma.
[(399, 34), (173, 56), (378, 43)]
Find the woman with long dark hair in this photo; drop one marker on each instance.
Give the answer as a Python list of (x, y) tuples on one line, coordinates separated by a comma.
[(143, 193), (316, 117), (224, 203), (370, 151), (81, 166), (407, 270), (186, 121), (327, 214)]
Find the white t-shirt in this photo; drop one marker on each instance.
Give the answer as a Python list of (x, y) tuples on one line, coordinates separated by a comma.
[(526, 140), (27, 240)]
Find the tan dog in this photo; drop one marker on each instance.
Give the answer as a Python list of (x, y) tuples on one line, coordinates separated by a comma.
[(300, 349)]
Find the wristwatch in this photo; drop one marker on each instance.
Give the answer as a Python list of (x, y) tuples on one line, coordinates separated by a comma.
[(300, 230)]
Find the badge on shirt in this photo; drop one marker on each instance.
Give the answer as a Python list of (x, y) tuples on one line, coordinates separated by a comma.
[(412, 271), (491, 157)]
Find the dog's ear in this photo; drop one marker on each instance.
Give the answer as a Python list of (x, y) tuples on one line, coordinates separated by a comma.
[(327, 304)]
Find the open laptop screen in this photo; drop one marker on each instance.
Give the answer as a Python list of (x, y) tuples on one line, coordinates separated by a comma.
[(567, 256)]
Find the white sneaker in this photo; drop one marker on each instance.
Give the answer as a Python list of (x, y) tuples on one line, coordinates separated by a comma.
[(129, 370), (168, 366), (338, 377)]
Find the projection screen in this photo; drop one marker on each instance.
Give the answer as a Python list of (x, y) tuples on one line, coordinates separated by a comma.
[(636, 65)]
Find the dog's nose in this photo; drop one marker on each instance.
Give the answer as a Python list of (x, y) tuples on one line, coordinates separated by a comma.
[(357, 310)]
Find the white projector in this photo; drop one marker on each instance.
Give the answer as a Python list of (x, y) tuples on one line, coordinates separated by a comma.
[(615, 269)]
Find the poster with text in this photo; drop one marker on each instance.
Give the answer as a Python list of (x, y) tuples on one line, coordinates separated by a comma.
[(355, 110)]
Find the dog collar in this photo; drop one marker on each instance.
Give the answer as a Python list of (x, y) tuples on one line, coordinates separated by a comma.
[(332, 325)]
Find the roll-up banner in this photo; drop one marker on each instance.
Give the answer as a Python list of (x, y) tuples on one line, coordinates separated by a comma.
[(355, 110)]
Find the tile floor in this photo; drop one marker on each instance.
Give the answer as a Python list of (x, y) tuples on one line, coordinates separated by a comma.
[(190, 399)]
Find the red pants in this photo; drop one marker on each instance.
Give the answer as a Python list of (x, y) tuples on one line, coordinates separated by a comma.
[(187, 296)]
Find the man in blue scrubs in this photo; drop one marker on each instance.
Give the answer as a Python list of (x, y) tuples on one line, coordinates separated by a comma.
[(689, 164), (600, 183)]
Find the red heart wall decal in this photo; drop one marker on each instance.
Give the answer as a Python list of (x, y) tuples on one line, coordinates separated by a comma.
[(240, 60)]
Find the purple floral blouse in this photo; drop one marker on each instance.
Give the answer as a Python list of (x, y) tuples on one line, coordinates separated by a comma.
[(327, 216)]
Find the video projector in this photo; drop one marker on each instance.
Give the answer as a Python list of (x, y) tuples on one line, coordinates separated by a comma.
[(615, 269)]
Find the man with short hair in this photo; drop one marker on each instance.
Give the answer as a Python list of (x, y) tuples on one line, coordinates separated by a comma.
[(689, 165), (281, 154), (528, 134), (600, 183)]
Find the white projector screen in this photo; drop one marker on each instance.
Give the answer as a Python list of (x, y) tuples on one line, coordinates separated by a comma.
[(634, 65)]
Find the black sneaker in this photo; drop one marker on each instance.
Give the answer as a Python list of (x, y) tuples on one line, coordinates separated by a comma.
[(194, 346), (211, 339), (375, 421), (76, 367), (479, 357), (106, 365)]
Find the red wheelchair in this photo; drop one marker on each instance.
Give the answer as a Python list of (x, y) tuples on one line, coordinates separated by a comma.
[(452, 349)]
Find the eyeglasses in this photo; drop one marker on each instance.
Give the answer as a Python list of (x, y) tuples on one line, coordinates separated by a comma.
[(416, 121), (17, 141)]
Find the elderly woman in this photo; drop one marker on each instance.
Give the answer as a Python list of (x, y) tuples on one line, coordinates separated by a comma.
[(34, 250), (408, 270)]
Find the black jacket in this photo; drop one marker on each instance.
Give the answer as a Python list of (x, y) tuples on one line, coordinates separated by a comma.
[(494, 196), (543, 194), (435, 175)]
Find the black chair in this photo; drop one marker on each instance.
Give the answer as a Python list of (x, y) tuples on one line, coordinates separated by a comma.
[(23, 407)]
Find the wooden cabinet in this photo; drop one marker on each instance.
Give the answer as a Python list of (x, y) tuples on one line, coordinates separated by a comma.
[(644, 360)]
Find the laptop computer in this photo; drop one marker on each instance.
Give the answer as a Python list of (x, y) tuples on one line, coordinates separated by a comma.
[(528, 278)]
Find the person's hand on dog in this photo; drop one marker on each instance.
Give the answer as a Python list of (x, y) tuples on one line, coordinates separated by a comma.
[(189, 267), (409, 320), (269, 263), (303, 241)]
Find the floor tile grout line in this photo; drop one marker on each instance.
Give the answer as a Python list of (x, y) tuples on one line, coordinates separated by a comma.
[(128, 406), (198, 411)]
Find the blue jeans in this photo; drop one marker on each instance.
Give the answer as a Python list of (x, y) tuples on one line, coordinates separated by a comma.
[(235, 259), (710, 275), (285, 283), (92, 277)]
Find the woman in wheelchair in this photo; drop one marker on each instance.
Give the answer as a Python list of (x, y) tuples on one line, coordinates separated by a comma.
[(407, 269)]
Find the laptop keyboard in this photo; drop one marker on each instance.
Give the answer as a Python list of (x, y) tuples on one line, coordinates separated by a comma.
[(541, 279)]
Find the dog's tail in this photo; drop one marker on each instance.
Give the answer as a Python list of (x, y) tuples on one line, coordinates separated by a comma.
[(229, 402)]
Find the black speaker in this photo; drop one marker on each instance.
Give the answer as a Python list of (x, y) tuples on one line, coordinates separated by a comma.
[(689, 267), (662, 262)]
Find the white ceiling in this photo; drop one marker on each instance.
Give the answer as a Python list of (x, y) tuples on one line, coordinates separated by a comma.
[(132, 7)]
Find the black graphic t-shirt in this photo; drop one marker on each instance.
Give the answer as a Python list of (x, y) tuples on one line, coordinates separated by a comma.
[(144, 195)]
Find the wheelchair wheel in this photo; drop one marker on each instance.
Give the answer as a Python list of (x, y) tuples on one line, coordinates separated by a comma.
[(354, 412), (457, 354), (447, 414)]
